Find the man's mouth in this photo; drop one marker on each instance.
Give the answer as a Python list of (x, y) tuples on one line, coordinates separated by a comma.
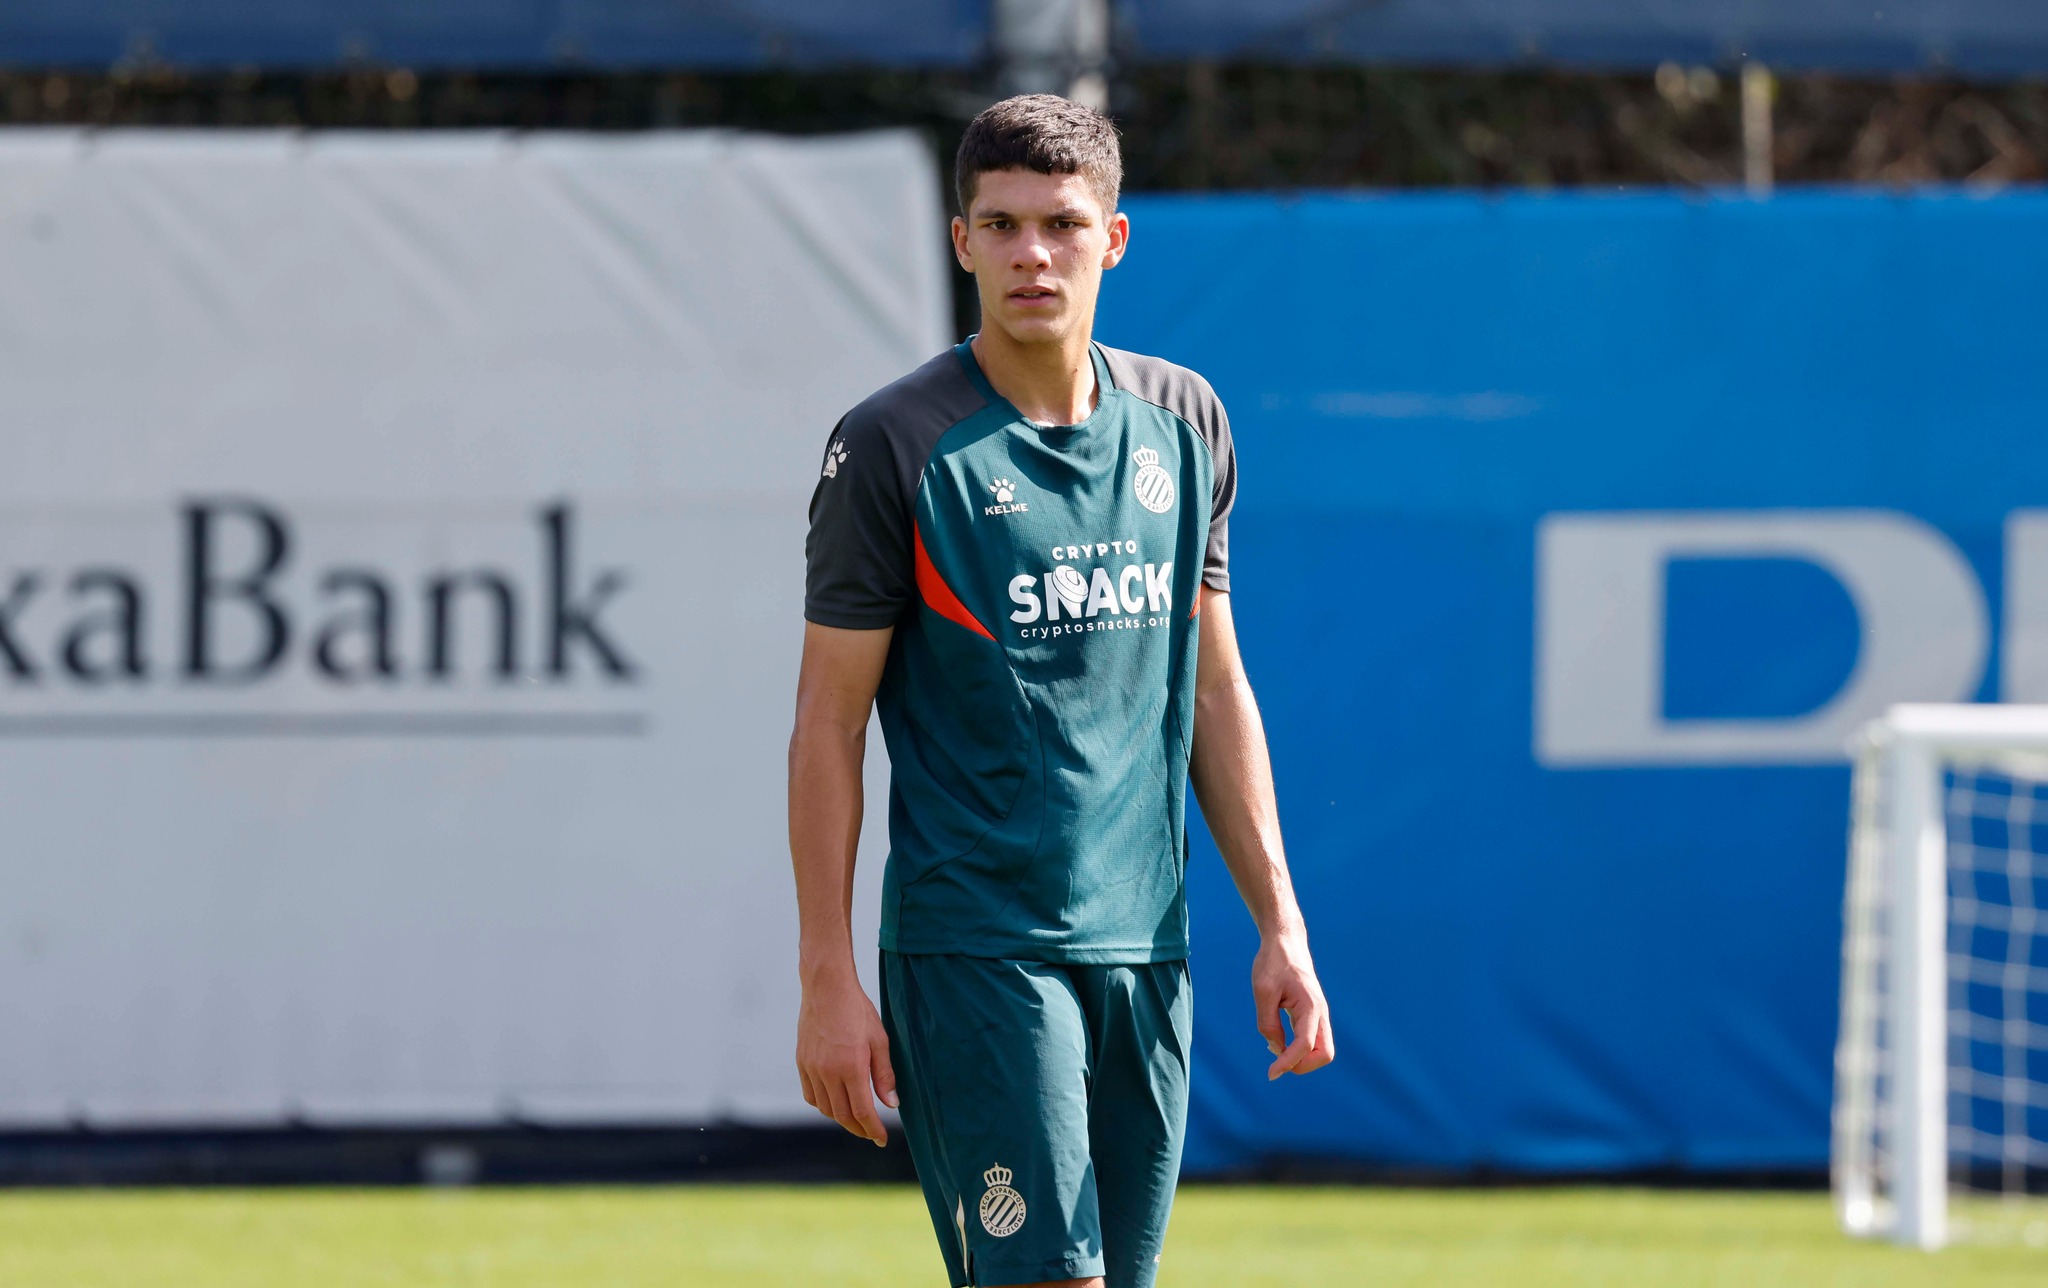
[(1032, 294)]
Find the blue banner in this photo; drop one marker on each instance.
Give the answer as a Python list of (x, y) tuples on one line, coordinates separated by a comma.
[(1577, 535), (1984, 37), (493, 34)]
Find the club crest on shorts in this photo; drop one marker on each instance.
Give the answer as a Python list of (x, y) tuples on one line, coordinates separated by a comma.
[(1153, 485), (1002, 1208)]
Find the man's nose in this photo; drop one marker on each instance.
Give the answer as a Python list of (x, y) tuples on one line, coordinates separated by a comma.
[(1032, 253)]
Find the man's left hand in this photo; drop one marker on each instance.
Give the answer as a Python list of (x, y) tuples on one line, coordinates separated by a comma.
[(1284, 980)]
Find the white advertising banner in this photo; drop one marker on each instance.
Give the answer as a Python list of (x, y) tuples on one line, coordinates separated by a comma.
[(401, 563)]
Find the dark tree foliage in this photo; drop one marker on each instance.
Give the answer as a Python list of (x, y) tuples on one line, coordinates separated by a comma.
[(1198, 125), (1246, 126), (399, 98)]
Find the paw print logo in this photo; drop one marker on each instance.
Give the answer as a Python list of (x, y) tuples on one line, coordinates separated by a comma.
[(1004, 490), (833, 455)]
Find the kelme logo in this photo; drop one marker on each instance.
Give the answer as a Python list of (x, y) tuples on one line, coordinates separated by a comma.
[(1006, 498)]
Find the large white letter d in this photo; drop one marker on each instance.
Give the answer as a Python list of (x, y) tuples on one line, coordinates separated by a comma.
[(1600, 584)]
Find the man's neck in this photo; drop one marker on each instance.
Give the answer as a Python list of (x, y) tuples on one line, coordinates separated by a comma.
[(1052, 384)]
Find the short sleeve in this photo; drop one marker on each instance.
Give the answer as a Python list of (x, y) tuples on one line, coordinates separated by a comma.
[(1188, 396), (858, 571), (1216, 557)]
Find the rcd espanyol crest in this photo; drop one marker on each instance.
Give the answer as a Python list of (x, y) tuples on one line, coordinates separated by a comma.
[(1153, 485), (1002, 1208)]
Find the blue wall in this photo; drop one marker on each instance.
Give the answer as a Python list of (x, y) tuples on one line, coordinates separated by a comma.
[(1982, 37), (1601, 962), (493, 33)]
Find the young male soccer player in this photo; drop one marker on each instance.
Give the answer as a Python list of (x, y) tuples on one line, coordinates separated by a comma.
[(1018, 554)]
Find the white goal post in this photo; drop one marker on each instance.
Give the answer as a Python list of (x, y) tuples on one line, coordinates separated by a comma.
[(1941, 1070)]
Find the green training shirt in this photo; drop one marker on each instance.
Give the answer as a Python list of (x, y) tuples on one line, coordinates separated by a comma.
[(1038, 700)]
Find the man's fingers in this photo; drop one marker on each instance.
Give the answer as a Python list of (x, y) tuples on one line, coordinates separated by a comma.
[(1307, 1024), (842, 1108), (1315, 1039), (864, 1113), (851, 1105), (1288, 1059), (885, 1073), (1269, 1024), (1313, 1054), (1326, 1045), (810, 1095)]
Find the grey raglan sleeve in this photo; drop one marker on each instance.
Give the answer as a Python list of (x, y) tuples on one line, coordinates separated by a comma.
[(858, 570), (1216, 558)]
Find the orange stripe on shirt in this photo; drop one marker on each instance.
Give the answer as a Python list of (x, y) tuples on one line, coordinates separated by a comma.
[(938, 596)]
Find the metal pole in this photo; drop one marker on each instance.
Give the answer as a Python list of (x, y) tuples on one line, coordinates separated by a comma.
[(1919, 996), (1853, 1159), (1053, 47), (1759, 144)]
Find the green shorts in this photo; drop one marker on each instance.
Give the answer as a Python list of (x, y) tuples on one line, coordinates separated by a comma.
[(1044, 1106)]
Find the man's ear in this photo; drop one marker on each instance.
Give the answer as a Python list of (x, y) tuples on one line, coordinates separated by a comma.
[(1119, 239), (960, 251)]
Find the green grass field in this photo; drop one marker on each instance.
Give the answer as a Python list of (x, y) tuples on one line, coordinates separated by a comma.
[(747, 1237)]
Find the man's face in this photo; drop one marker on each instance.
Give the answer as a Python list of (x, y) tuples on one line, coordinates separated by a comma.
[(1037, 245)]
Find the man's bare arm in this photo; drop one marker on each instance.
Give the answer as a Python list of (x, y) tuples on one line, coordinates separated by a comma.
[(842, 1054), (1233, 780)]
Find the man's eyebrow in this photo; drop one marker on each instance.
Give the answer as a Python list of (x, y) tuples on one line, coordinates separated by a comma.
[(1064, 212)]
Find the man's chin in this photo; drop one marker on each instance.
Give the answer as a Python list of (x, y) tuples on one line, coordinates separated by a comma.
[(1032, 328)]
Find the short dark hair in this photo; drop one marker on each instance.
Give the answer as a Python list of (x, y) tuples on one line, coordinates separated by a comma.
[(1041, 132)]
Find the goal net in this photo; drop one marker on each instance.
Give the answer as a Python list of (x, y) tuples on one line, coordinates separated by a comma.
[(1941, 1071)]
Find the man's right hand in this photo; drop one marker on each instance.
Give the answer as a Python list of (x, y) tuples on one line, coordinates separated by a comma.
[(842, 1055)]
